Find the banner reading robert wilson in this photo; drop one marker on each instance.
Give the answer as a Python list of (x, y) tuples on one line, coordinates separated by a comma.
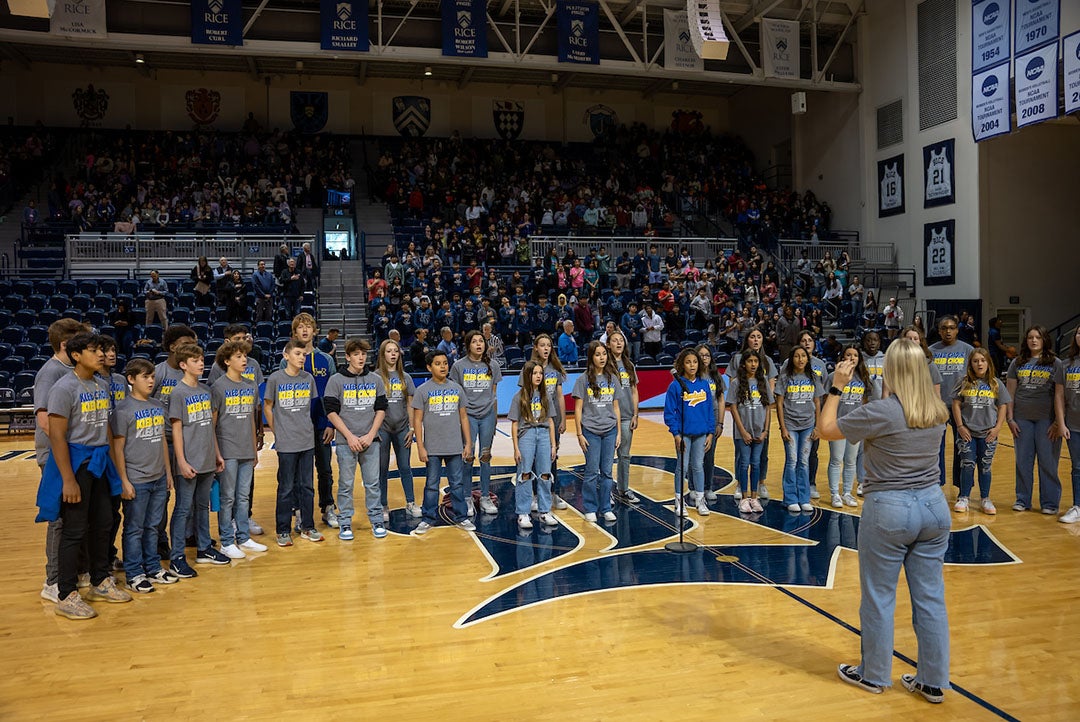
[(990, 33), (579, 32), (78, 18), (1036, 86), (464, 28), (344, 25), (216, 22), (678, 47), (780, 48), (990, 102), (1036, 23), (1070, 49)]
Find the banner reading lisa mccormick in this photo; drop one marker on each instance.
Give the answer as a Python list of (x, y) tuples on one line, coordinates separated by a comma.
[(1036, 24), (1036, 86), (464, 27), (989, 33), (678, 47), (344, 25), (83, 19), (579, 32), (1070, 52), (216, 22), (990, 102)]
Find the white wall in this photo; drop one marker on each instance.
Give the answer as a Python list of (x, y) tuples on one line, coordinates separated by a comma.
[(828, 155)]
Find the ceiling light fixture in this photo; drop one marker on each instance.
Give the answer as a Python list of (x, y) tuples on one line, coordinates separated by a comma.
[(427, 71), (139, 59)]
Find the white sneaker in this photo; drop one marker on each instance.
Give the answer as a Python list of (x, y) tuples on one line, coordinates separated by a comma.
[(961, 504), (524, 521), (762, 492), (549, 519), (794, 508), (254, 529), (610, 516), (814, 493), (253, 546), (233, 552), (51, 592), (1070, 517), (745, 507), (470, 507), (488, 506), (806, 507), (849, 500), (680, 507), (837, 502), (412, 510), (710, 495), (858, 489), (466, 525), (590, 516), (737, 494), (559, 503), (330, 517), (534, 506), (702, 506)]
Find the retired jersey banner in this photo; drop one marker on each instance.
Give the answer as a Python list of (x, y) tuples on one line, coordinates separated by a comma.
[(1036, 24), (939, 246), (1070, 49), (890, 174), (990, 33), (579, 32), (464, 28), (344, 25), (79, 18), (217, 22), (679, 53), (990, 103), (1036, 86), (939, 173), (780, 48)]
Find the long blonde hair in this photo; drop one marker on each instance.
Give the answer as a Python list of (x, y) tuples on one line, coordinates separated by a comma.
[(908, 377), (384, 368)]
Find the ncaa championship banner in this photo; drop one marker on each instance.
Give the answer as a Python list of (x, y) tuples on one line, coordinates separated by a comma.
[(780, 48), (216, 22), (990, 103), (1070, 49), (464, 28), (679, 51), (1037, 23), (344, 25), (78, 18), (579, 32), (990, 33), (1036, 86)]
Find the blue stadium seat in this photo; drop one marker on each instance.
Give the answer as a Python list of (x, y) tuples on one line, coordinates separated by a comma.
[(107, 330), (36, 362), (665, 359), (264, 329), (130, 287), (7, 394), (48, 316), (214, 344), (109, 287), (13, 365), (154, 332), (695, 335), (514, 355), (181, 315), (38, 334), (90, 288), (671, 349), (82, 302), (201, 330), (26, 317), (36, 301), (104, 301), (23, 380), (6, 350), (67, 287), (72, 313), (26, 350), (185, 300), (645, 360), (45, 287), (265, 343), (13, 302), (13, 335), (161, 358), (58, 302), (22, 288), (284, 328), (201, 314), (218, 329)]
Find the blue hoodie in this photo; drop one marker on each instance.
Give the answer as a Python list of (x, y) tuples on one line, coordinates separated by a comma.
[(698, 416)]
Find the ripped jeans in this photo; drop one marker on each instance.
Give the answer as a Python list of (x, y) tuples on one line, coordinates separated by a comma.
[(977, 453), (534, 443)]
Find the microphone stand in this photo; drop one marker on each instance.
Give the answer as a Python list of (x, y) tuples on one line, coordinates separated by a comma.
[(681, 546)]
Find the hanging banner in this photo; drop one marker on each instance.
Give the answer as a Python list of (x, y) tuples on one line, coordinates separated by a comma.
[(890, 173), (1036, 24), (344, 25), (780, 48), (939, 246), (678, 47), (939, 173), (990, 33), (464, 28), (707, 29), (79, 18), (990, 103), (1036, 86), (1070, 49), (579, 32), (216, 22)]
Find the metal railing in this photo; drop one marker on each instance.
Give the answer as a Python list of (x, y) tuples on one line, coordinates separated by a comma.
[(1062, 334), (881, 255), (701, 249)]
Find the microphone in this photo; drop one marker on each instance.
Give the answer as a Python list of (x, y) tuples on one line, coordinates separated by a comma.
[(679, 379)]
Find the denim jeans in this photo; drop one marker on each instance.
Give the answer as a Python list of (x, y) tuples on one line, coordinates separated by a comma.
[(455, 467), (597, 483), (693, 465), (141, 516), (843, 459), (1074, 456), (234, 506), (482, 431), (748, 465), (814, 445), (976, 453), (295, 489), (950, 427), (908, 529), (395, 440), (797, 467), (1031, 444), (622, 454), (192, 500), (86, 525), (535, 447), (368, 461), (708, 462)]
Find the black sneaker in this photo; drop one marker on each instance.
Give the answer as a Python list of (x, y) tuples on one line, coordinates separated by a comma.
[(140, 584), (210, 555), (933, 695), (848, 673), (182, 569)]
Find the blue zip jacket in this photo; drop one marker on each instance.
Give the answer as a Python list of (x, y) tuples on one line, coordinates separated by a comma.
[(698, 416), (321, 366), (51, 489)]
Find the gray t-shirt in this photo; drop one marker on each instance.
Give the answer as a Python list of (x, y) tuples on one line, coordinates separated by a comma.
[(357, 396), (626, 392), (442, 424), (478, 380), (818, 366), (536, 419), (979, 405), (718, 388), (951, 363), (142, 424), (552, 380), (397, 414), (118, 388), (165, 378), (1071, 369), (875, 368), (797, 392), (44, 381), (87, 407), (1034, 398), (252, 372), (235, 403), (191, 405), (896, 456), (597, 409), (853, 395), (753, 410), (290, 397)]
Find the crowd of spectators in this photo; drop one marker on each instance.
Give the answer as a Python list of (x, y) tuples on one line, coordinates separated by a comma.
[(23, 156)]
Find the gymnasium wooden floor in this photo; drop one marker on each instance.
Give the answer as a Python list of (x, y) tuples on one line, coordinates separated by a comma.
[(446, 626)]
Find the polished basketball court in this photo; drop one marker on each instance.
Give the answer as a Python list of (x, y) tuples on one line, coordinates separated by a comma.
[(585, 622)]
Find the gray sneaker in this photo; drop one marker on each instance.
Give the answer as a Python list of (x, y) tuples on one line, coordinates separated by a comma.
[(421, 529), (763, 492), (107, 591), (73, 607), (330, 517), (466, 525), (488, 506), (413, 511)]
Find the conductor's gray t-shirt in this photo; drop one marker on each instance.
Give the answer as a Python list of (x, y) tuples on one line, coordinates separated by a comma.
[(896, 456), (142, 424)]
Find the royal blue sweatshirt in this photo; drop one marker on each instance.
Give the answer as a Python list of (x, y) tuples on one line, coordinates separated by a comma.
[(698, 415)]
